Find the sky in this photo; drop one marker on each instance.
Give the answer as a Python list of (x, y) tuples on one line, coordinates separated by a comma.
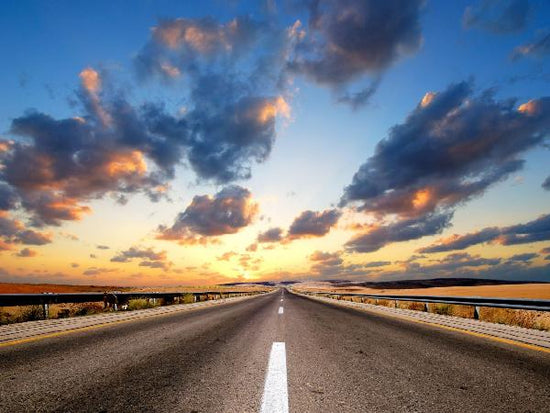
[(193, 143)]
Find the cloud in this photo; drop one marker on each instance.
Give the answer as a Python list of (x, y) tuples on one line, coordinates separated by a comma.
[(102, 247), (27, 253), (523, 258), (13, 232), (532, 231), (271, 235), (227, 212), (350, 39), (379, 236), (326, 258), (115, 148), (184, 43), (75, 265), (452, 147), (226, 256), (237, 89), (375, 264), (8, 197), (138, 252), (538, 48), (546, 183), (498, 16), (313, 223), (98, 271)]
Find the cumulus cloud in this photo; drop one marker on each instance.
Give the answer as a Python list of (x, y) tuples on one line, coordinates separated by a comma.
[(532, 231), (113, 147), (227, 212), (271, 235), (453, 146), (236, 85), (313, 223), (148, 257), (13, 232), (523, 258), (137, 252), (375, 264), (379, 236), (498, 16), (349, 39), (27, 253), (546, 183), (538, 48)]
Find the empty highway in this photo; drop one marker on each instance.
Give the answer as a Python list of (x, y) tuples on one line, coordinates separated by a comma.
[(272, 353)]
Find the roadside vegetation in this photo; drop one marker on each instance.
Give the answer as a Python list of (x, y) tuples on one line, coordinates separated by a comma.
[(539, 320)]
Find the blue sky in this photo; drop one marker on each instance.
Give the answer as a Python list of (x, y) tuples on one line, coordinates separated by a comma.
[(264, 153)]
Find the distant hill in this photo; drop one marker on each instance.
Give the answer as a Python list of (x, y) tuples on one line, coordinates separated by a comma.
[(434, 282)]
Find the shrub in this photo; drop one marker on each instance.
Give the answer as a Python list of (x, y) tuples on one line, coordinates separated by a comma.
[(140, 304)]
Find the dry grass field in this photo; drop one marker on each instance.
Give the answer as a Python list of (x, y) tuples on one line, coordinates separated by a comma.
[(534, 291), (528, 319), (28, 313)]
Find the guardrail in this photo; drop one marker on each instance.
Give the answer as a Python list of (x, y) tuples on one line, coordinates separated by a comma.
[(475, 302), (111, 299)]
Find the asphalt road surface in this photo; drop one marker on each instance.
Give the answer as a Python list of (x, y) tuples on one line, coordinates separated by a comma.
[(272, 353)]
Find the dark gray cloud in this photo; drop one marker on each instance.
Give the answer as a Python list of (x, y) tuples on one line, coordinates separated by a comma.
[(402, 230), (271, 235), (14, 232), (538, 48), (137, 252), (226, 212), (8, 197), (546, 183), (351, 38), (375, 264), (313, 223), (525, 258), (498, 16), (532, 231), (328, 265), (102, 247), (327, 258), (148, 256), (452, 147)]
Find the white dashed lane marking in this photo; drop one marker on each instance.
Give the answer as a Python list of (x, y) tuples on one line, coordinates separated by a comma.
[(281, 310), (275, 397)]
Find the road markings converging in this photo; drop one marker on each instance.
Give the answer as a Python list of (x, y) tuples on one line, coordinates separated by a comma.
[(281, 310), (275, 397)]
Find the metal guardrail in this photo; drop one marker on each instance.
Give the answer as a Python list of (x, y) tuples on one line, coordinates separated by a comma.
[(476, 302), (112, 298)]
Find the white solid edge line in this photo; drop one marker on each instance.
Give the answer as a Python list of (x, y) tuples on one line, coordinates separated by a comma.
[(275, 397), (281, 310)]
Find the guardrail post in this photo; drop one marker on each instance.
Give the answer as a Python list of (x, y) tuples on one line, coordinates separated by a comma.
[(394, 303), (46, 310), (476, 312), (426, 308)]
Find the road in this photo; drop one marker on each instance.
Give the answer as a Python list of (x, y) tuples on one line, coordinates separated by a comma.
[(217, 360)]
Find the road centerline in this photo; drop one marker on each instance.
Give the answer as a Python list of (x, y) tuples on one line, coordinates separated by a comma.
[(275, 396), (281, 310)]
